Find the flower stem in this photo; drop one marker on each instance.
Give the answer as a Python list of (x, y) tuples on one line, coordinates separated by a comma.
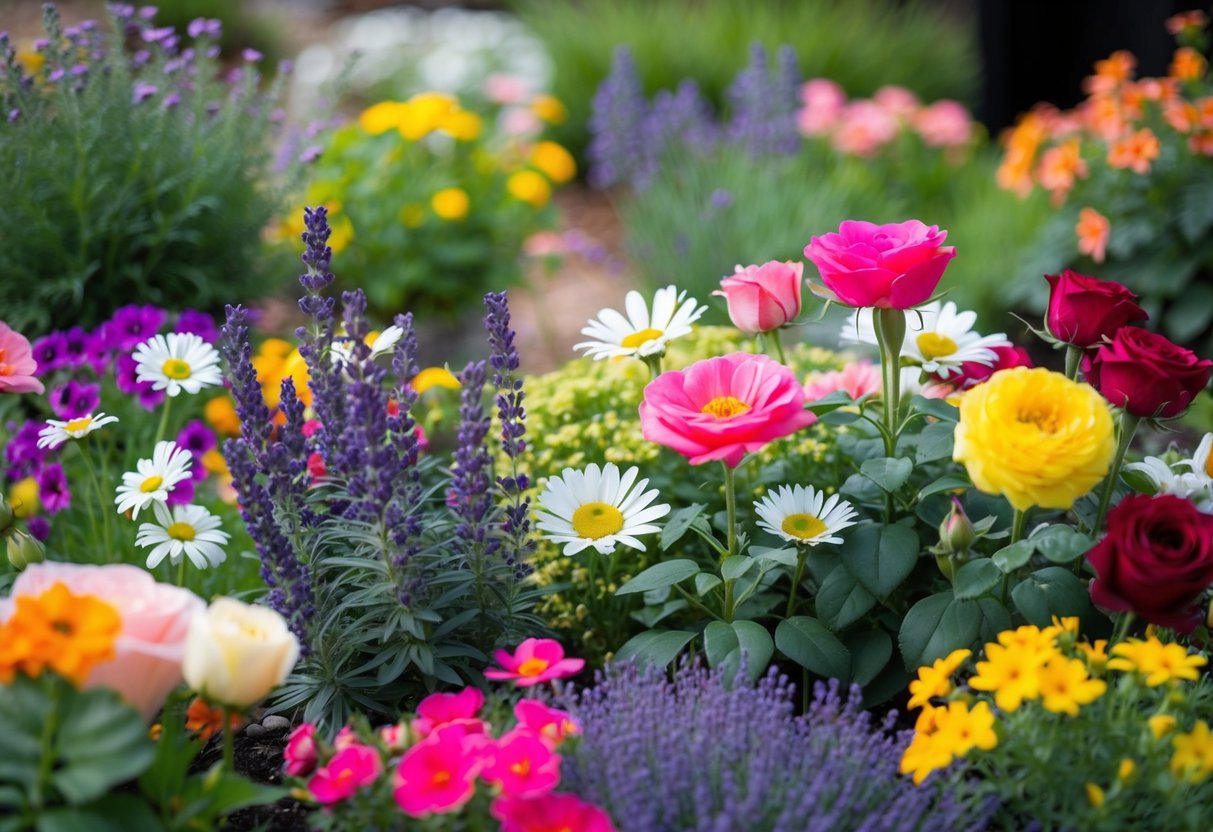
[(890, 325), (1073, 361), (1128, 427), (163, 427), (181, 573), (1018, 523), (1121, 630), (653, 362), (730, 502), (801, 553), (102, 506), (229, 753), (776, 344)]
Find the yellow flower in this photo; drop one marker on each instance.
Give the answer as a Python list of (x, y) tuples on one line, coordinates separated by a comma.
[(23, 497), (943, 734), (1193, 757), (549, 108), (382, 117), (1064, 685), (425, 113), (30, 60), (236, 653), (343, 229), (1159, 663), (1095, 795), (214, 462), (1011, 672), (432, 377), (1030, 637), (1161, 725), (1125, 770), (450, 204), (936, 680), (461, 125), (1034, 437), (556, 163), (411, 215), (528, 186), (924, 754), (1096, 655), (220, 414)]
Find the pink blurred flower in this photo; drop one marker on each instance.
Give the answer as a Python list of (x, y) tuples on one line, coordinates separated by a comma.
[(897, 265), (17, 364), (300, 752), (864, 128), (395, 737), (350, 769), (723, 408), (944, 124), (316, 468), (310, 427), (155, 619), (523, 765), (536, 660), (440, 709), (544, 244), (823, 104), (501, 88), (550, 813), (345, 738), (520, 121), (763, 298), (973, 373), (896, 101), (550, 724), (858, 379), (438, 774)]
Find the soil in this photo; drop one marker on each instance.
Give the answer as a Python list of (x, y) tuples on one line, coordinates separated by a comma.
[(259, 759)]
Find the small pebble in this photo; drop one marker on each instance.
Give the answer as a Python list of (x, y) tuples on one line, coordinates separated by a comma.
[(276, 724), (255, 731)]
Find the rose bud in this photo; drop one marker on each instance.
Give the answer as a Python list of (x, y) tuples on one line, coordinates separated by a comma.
[(24, 550), (763, 298), (1147, 375), (236, 653), (956, 533), (1084, 310)]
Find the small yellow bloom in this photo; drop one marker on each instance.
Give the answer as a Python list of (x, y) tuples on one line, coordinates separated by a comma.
[(1012, 673), (549, 108), (30, 60), (220, 413), (411, 215), (963, 728), (461, 125), (425, 113), (1095, 795), (1193, 757), (1064, 685), (923, 755), (1161, 725), (214, 462), (450, 204), (1159, 663), (275, 347), (528, 186), (1126, 769), (936, 680), (554, 161), (23, 497), (1096, 655), (382, 117), (1030, 637), (432, 377)]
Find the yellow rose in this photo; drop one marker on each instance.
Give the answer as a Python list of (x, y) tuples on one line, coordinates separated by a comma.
[(450, 204), (528, 186), (236, 653), (382, 117), (549, 108), (556, 163), (1034, 437)]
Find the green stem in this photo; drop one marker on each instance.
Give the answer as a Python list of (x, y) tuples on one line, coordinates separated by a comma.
[(890, 325), (695, 602), (181, 572), (801, 553), (163, 427), (730, 502), (1018, 523), (1073, 361), (653, 362), (1128, 427), (229, 753), (776, 344), (46, 741), (102, 506), (1121, 630)]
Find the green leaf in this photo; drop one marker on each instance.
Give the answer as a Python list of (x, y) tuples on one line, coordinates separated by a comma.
[(870, 651), (25, 706), (656, 647), (660, 575), (807, 642), (945, 484), (830, 401), (754, 640), (839, 417), (785, 556), (111, 813), (734, 566), (842, 600), (935, 442), (1184, 321), (705, 582), (719, 639), (1061, 544), (1195, 209), (880, 557), (226, 793), (938, 408), (976, 578), (935, 626), (679, 524), (889, 473), (1015, 556), (1051, 591)]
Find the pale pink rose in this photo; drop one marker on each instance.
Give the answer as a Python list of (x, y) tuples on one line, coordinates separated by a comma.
[(823, 104), (897, 102), (155, 620), (17, 364), (501, 88), (944, 124), (519, 121), (544, 244), (763, 298), (865, 127), (857, 379)]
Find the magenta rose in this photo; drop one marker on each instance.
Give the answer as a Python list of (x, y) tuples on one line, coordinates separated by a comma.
[(1147, 375), (723, 408), (763, 298), (973, 373), (1156, 560), (891, 266), (1084, 311)]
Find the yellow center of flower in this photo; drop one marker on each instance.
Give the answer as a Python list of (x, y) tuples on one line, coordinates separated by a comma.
[(177, 369), (1209, 464), (532, 667), (80, 424), (595, 520), (934, 345), (522, 768), (150, 484), (440, 778), (637, 339), (181, 531), (803, 526), (1045, 418), (725, 407)]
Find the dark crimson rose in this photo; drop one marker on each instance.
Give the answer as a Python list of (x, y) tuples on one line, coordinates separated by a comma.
[(973, 373), (1147, 375), (1084, 310), (1155, 561)]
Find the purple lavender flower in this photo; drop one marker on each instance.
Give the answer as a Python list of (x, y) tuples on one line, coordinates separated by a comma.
[(764, 104), (13, 115), (252, 56), (73, 400), (143, 91), (201, 26), (148, 12), (53, 490), (132, 325), (50, 352), (39, 526), (160, 35), (310, 154), (201, 324), (619, 109)]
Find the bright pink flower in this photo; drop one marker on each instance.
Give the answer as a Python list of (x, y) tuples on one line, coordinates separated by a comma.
[(440, 709), (763, 298), (438, 774), (896, 101), (395, 737), (300, 751), (17, 364), (316, 468), (945, 123), (552, 725), (550, 813), (523, 765), (723, 408), (823, 104), (865, 127), (536, 660), (345, 738), (973, 373), (858, 379), (891, 266), (310, 427), (350, 769)]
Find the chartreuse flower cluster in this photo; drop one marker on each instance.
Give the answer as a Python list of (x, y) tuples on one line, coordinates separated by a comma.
[(1070, 732)]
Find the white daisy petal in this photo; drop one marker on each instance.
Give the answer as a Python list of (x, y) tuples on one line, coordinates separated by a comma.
[(153, 479), (55, 433), (189, 531), (597, 507), (802, 515), (640, 333), (176, 362)]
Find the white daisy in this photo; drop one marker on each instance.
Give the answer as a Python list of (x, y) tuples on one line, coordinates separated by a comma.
[(56, 433), (938, 337), (154, 478), (598, 508), (1195, 484), (188, 530), (380, 343), (802, 515), (639, 333), (177, 361), (1202, 460)]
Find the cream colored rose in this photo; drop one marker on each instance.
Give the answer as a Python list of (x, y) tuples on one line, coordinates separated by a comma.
[(236, 653)]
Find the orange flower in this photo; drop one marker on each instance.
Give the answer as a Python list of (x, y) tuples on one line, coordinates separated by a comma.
[(68, 633), (1092, 230), (1104, 116), (1111, 72), (1015, 172), (1180, 114), (1136, 151), (206, 721), (1201, 143), (1188, 64), (1186, 20), (220, 412), (1204, 112), (1060, 166)]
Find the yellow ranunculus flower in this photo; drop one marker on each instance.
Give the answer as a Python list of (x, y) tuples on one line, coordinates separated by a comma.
[(556, 163), (382, 117), (425, 114), (23, 497), (549, 108), (462, 125), (1035, 437), (236, 653), (450, 203), (528, 186)]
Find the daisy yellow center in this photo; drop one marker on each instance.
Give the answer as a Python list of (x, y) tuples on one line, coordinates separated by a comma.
[(636, 339), (181, 531), (934, 345), (725, 407), (176, 369), (78, 424), (803, 526), (595, 520), (533, 667), (151, 484), (1209, 464)]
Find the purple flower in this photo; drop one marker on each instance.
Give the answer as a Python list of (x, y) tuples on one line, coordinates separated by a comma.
[(73, 400), (204, 26), (197, 438), (152, 35), (132, 325), (147, 12), (310, 153), (22, 452), (53, 490), (143, 91), (170, 101), (97, 350), (201, 324), (13, 115), (619, 108), (75, 347), (125, 376), (39, 527), (148, 398), (251, 55), (182, 494), (50, 352)]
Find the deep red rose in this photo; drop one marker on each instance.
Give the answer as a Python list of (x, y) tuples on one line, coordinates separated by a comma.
[(1155, 561), (1147, 375), (1084, 310), (973, 373)]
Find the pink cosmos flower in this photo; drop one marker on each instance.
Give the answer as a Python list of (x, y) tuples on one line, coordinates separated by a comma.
[(893, 266), (763, 298), (550, 813), (535, 661), (523, 765), (865, 127), (823, 104), (440, 709), (944, 124), (300, 751), (896, 101), (550, 724), (17, 364), (350, 769), (857, 379), (723, 408), (438, 774)]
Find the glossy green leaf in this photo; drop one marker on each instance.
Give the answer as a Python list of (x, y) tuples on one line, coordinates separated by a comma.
[(1051, 591), (842, 600), (880, 557), (870, 651), (807, 642), (889, 473), (660, 575), (935, 626), (976, 578), (679, 524), (656, 647)]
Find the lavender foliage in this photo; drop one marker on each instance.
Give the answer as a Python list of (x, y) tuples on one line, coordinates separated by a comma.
[(763, 104), (617, 150), (698, 754)]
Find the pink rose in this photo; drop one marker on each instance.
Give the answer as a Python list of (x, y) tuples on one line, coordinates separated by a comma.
[(944, 124), (823, 104), (857, 379), (17, 364), (865, 127), (763, 298), (723, 408), (893, 266), (155, 619), (896, 101)]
